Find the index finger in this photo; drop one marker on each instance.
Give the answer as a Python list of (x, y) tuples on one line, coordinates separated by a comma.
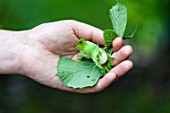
[(87, 31)]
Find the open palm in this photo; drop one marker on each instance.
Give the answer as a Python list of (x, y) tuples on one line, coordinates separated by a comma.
[(45, 43)]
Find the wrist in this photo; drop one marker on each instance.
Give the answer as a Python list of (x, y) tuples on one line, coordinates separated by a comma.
[(11, 44)]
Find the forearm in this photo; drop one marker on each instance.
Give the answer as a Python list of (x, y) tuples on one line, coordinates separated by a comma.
[(10, 49)]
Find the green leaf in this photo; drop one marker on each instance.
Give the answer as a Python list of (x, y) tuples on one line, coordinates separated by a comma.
[(118, 15), (78, 74), (109, 36)]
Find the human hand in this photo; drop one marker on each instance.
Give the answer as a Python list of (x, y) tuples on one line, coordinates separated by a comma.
[(43, 45)]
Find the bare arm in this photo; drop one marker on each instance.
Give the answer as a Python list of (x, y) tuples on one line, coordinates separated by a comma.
[(10, 50)]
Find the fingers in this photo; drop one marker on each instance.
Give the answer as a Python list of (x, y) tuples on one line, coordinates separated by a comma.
[(122, 68), (105, 81), (87, 31), (122, 54), (115, 73), (117, 44)]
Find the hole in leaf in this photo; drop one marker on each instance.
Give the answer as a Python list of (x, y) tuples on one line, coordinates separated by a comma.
[(88, 76)]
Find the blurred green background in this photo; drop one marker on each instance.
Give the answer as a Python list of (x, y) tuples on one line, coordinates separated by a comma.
[(145, 89)]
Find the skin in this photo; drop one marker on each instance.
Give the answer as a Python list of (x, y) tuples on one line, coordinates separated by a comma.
[(35, 53)]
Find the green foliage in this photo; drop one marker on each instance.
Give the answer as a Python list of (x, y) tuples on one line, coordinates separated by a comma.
[(118, 15), (86, 72), (86, 48), (109, 35), (78, 74), (100, 57)]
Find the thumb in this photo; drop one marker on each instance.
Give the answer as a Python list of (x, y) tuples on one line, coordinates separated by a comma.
[(87, 31)]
